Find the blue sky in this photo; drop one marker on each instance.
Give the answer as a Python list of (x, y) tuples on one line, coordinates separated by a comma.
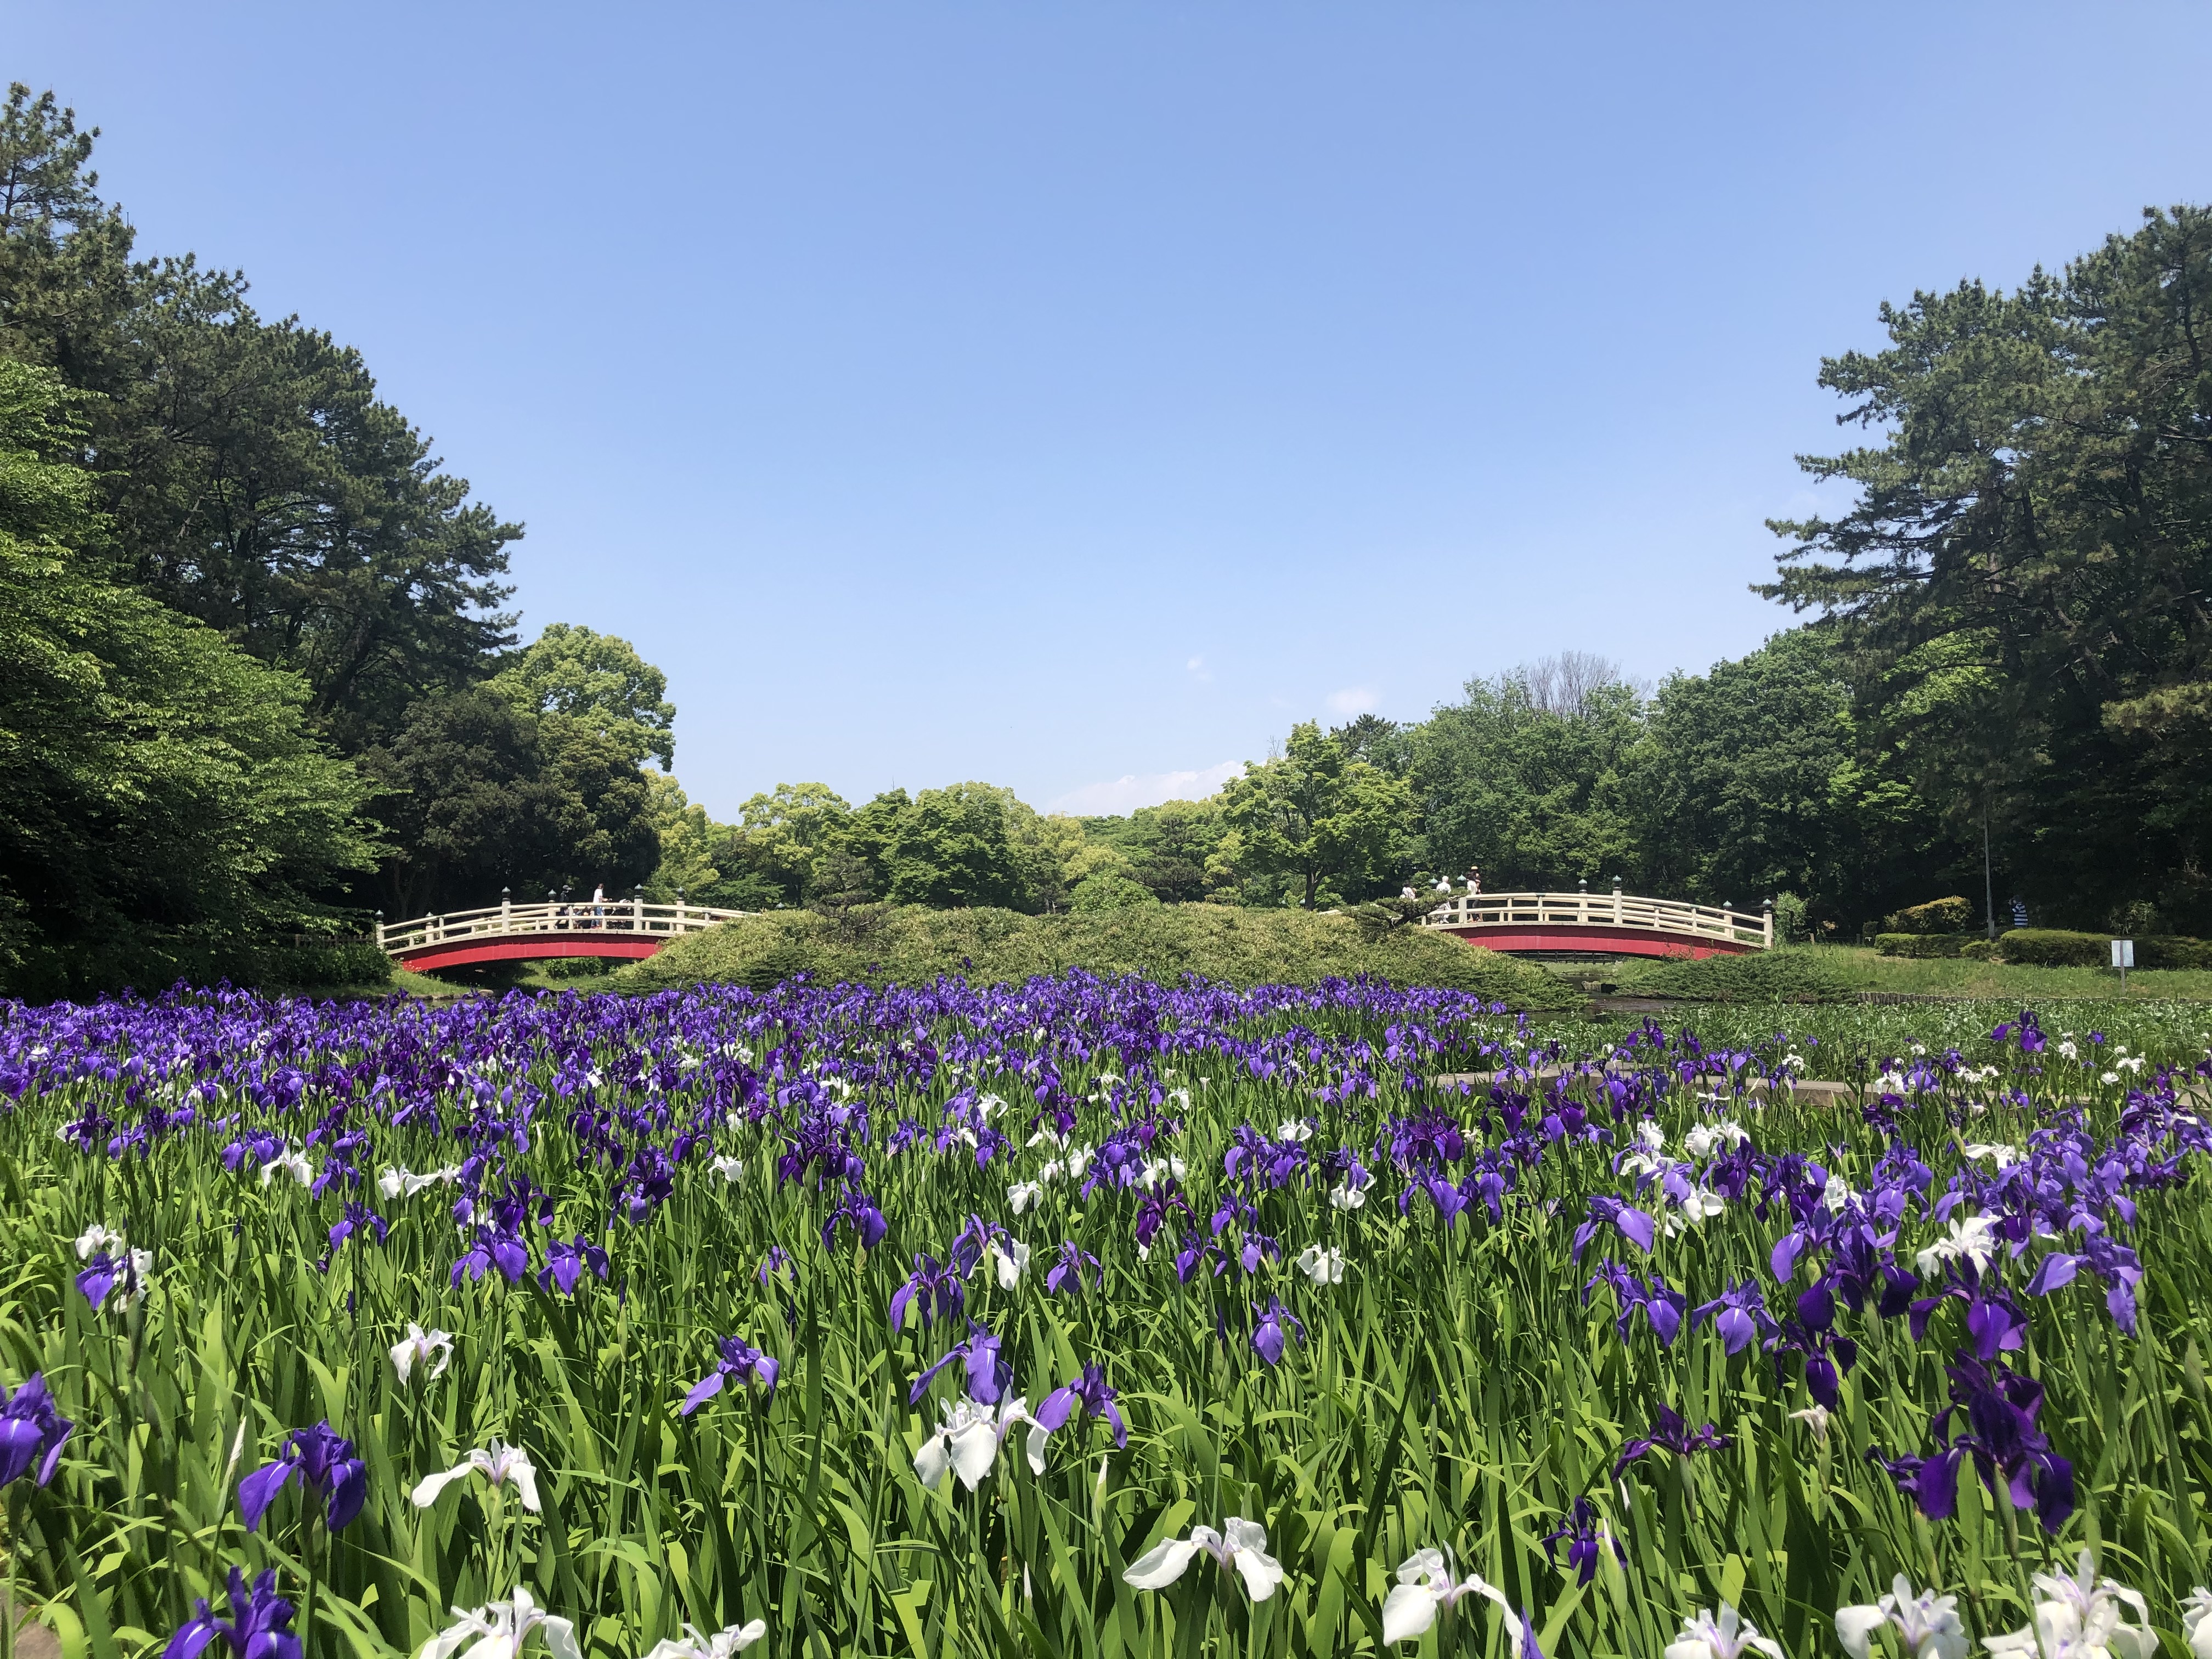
[(1073, 396)]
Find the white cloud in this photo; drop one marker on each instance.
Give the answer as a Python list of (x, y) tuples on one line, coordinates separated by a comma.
[(1127, 794), (1353, 699), (1198, 670)]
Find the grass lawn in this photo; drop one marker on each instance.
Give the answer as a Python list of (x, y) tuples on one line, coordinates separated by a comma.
[(1860, 969)]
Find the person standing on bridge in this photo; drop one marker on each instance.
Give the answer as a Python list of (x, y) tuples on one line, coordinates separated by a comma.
[(1473, 879), (599, 903)]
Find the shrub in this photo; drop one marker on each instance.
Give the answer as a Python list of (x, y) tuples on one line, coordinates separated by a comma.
[(1793, 920), (2171, 950), (1943, 915), (2054, 947), (1779, 975), (1105, 891), (910, 944), (577, 967), (1923, 945), (1979, 950)]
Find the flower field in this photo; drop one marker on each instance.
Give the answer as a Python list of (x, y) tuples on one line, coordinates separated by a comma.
[(1098, 1318)]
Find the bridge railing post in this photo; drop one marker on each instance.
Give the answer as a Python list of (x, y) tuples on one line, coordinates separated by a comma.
[(506, 910)]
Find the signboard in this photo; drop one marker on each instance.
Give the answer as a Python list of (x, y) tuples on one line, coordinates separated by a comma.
[(2124, 953)]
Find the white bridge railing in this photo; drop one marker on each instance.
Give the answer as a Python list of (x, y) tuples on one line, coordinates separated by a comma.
[(1614, 909), (628, 917)]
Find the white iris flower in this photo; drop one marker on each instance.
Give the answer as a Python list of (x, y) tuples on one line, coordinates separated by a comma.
[(1240, 1544)]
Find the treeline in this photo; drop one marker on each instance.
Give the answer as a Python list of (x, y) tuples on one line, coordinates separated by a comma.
[(258, 680), (2005, 690), (1753, 780), (255, 676)]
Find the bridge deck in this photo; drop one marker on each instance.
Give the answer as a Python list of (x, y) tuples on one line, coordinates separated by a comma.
[(1586, 924), (625, 930)]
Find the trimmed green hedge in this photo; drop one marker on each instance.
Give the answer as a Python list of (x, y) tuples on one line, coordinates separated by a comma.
[(1942, 916), (910, 944), (2054, 947), (1779, 975), (2171, 950)]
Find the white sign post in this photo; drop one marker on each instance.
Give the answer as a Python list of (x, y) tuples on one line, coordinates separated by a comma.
[(2124, 957)]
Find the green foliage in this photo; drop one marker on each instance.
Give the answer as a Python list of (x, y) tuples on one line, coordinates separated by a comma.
[(1930, 945), (1459, 1388), (598, 682), (480, 794), (916, 946), (2054, 947), (2159, 951), (1777, 975), (1793, 919), (2022, 569), (576, 968), (1539, 797), (163, 802), (1316, 815), (1106, 892), (250, 477), (1943, 915), (1753, 777), (954, 846)]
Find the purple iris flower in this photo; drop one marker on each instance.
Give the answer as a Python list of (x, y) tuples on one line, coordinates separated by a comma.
[(104, 1272), (1828, 1359), (1577, 1530), (1089, 1394), (1269, 1336), (740, 1363), (1999, 1408), (1994, 1321), (492, 1248), (935, 1289), (565, 1264), (858, 1211), (2115, 1264), (1067, 1273), (1634, 1226), (1669, 1433), (359, 1220), (973, 1241), (259, 1626), (1739, 1314), (31, 1432), (1196, 1253), (989, 1374), (1663, 1306), (324, 1461), (1159, 1203)]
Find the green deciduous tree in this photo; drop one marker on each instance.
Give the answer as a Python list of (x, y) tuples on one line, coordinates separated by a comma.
[(1323, 819), (956, 845), (598, 681), (161, 799), (479, 795), (1537, 797), (1752, 779)]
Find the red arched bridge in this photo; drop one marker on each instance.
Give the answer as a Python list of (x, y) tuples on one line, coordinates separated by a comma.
[(1614, 924), (628, 929)]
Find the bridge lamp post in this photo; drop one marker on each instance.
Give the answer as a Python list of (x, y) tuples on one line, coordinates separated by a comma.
[(379, 930), (505, 909)]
